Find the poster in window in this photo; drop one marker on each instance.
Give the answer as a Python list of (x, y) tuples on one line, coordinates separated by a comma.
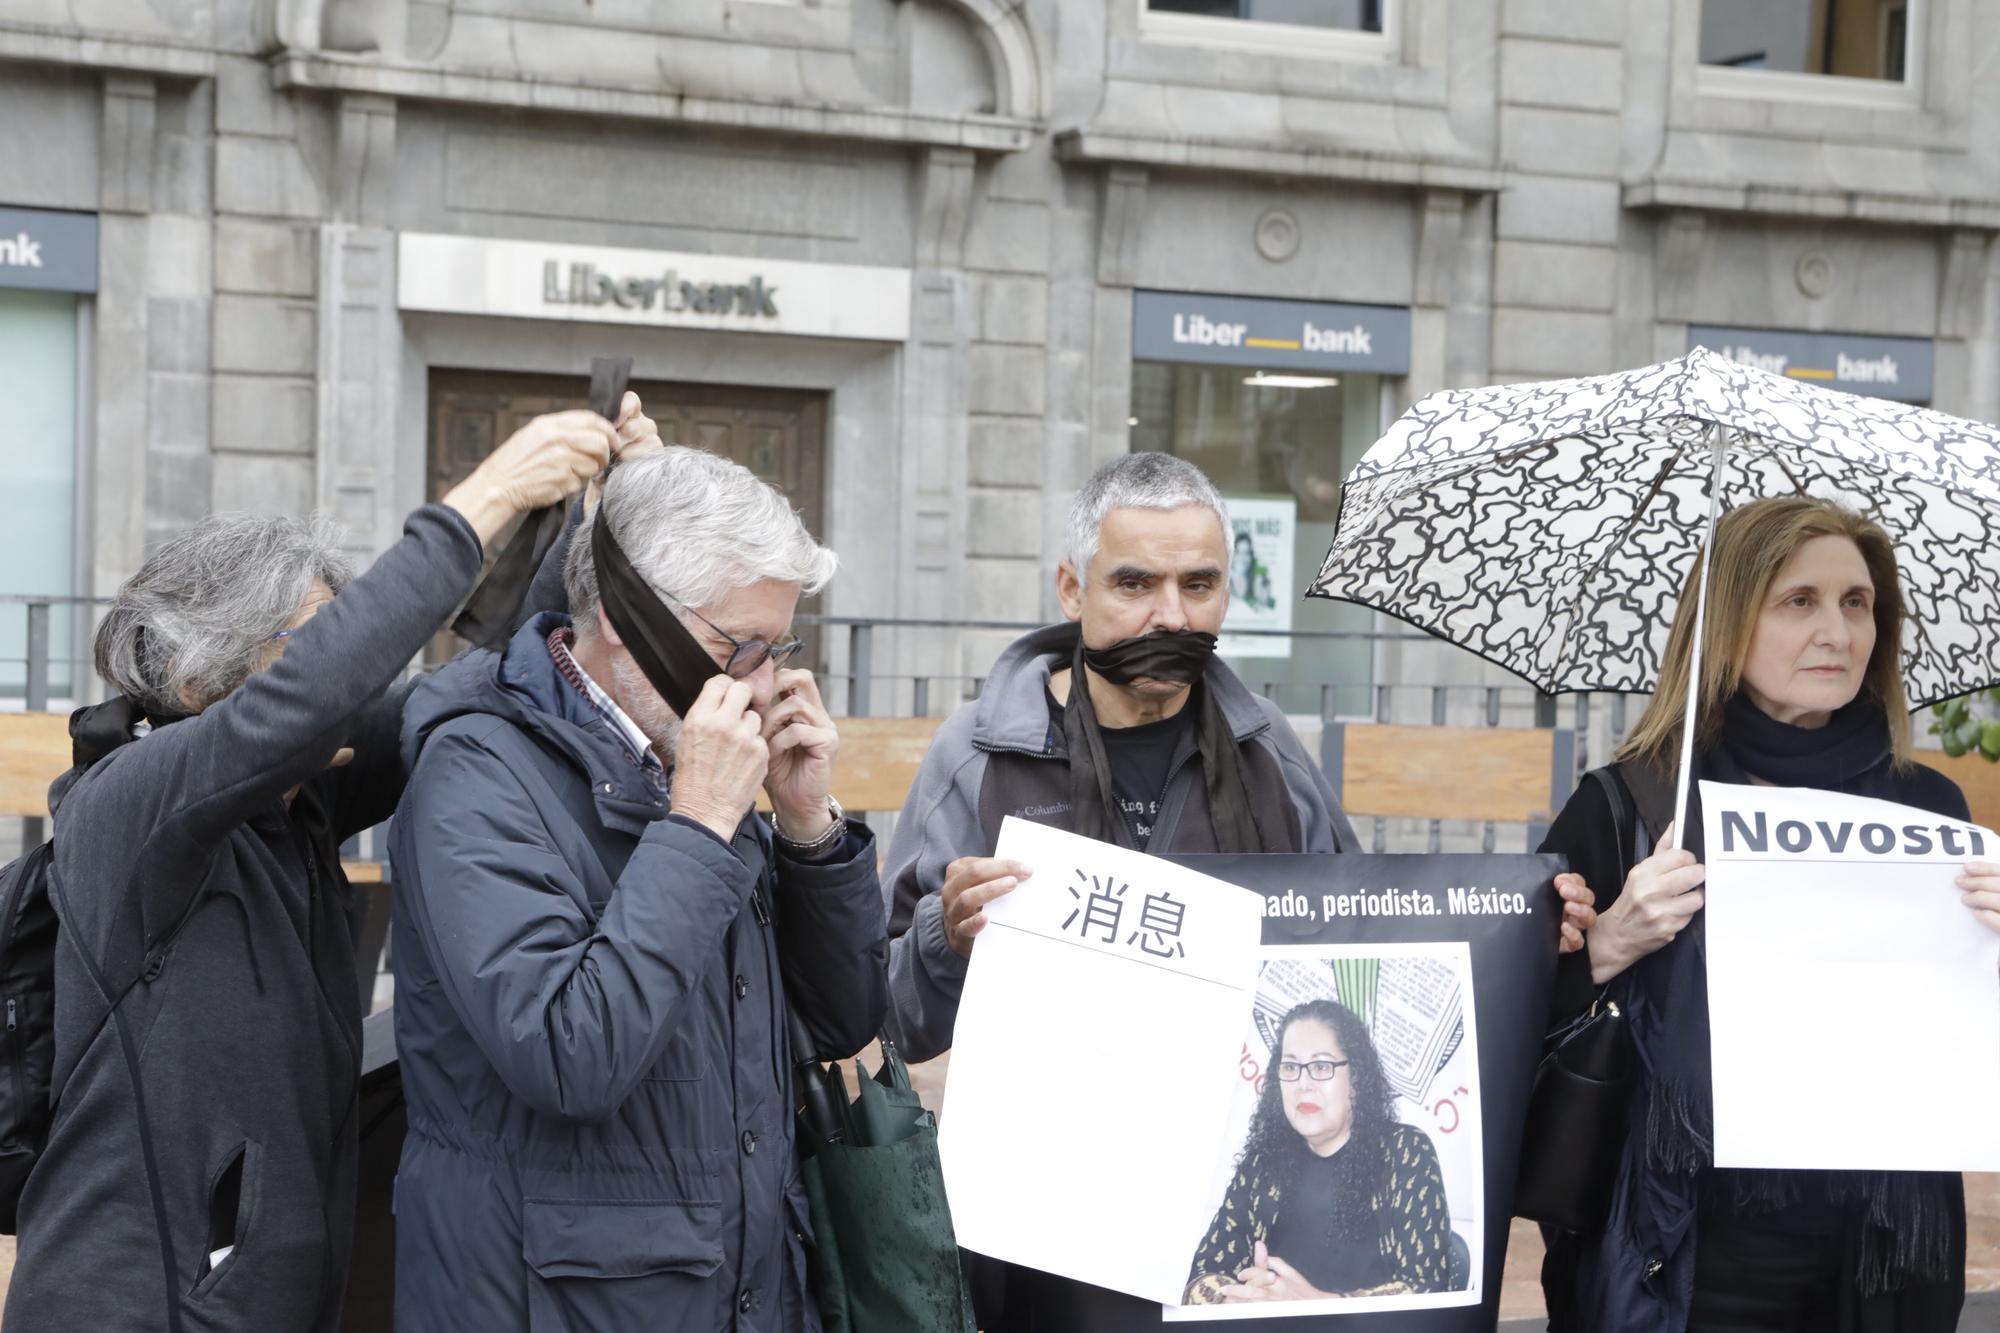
[(1263, 533)]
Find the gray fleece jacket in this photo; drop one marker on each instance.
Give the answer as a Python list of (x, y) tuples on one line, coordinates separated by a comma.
[(1002, 755)]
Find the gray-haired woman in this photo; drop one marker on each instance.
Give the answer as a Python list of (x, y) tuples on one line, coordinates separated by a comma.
[(216, 1189)]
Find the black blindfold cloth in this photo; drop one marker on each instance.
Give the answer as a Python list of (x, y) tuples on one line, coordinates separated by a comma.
[(672, 660), (493, 611), (1174, 655), (1094, 804)]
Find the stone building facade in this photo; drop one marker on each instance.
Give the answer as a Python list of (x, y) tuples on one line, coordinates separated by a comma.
[(928, 262)]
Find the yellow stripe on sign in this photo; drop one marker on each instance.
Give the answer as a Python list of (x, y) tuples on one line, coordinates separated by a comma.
[(1288, 344), (1802, 373)]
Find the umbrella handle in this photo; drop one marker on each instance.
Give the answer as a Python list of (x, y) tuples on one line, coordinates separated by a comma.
[(1720, 457)]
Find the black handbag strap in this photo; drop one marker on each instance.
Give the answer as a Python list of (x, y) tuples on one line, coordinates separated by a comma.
[(1631, 831)]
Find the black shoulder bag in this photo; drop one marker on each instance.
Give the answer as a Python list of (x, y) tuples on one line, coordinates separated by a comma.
[(1578, 1111)]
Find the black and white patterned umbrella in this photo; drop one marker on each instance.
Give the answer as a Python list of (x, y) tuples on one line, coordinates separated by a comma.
[(1549, 527)]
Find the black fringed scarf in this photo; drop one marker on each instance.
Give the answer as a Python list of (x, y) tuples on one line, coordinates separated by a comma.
[(1095, 805), (1908, 1228)]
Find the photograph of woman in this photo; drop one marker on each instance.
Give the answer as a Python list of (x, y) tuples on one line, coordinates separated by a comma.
[(1332, 1195)]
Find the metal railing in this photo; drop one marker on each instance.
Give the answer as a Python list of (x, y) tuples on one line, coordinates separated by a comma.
[(1598, 721)]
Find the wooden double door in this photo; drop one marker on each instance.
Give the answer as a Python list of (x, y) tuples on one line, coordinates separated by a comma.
[(779, 434)]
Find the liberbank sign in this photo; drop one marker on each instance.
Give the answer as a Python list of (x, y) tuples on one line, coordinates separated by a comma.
[(471, 275), (1881, 367), (1268, 334)]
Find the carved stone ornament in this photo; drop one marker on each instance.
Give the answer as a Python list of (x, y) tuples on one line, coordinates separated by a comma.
[(1277, 235), (1814, 273)]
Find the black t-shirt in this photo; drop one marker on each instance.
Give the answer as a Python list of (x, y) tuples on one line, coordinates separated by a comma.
[(1141, 760), (1302, 1234)]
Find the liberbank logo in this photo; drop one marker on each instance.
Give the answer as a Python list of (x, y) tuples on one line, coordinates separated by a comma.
[(20, 251), (1849, 369), (587, 285), (1198, 330)]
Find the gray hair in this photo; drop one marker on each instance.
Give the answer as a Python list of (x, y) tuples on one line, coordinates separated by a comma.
[(696, 526), (192, 624), (1137, 481)]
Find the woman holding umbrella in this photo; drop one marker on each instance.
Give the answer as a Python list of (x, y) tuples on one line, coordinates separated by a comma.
[(1800, 686)]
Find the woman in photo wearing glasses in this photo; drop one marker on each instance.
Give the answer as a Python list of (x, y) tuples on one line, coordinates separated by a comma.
[(1333, 1196)]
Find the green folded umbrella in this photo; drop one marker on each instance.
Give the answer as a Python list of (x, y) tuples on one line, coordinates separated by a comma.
[(884, 1259)]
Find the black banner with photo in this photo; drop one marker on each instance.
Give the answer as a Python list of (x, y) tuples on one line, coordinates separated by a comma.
[(1365, 1180)]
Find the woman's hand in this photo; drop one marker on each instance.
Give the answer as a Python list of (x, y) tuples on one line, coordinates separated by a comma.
[(1269, 1278), (1981, 892), (1579, 911), (1661, 896), (547, 460), (638, 435)]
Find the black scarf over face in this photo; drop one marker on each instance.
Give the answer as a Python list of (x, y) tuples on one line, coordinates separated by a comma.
[(1169, 655), (1906, 1233), (672, 660)]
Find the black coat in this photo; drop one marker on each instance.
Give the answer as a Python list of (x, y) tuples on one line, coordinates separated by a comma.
[(590, 1002), (249, 1029), (1601, 1283)]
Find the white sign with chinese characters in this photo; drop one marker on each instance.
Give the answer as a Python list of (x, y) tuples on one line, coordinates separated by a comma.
[(1854, 1001), (1098, 1033)]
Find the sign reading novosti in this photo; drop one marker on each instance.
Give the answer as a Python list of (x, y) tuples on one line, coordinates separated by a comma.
[(470, 275)]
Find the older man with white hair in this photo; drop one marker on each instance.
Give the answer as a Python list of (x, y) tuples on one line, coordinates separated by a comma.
[(597, 939)]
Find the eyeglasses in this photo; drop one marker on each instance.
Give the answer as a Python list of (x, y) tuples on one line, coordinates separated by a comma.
[(1320, 1070), (745, 655), (282, 634)]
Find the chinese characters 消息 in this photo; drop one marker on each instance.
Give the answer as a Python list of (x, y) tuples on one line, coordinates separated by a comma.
[(1100, 909)]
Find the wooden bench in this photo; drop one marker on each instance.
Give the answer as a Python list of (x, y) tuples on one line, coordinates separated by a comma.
[(1499, 774)]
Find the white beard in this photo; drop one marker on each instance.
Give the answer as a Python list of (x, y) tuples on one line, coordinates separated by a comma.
[(643, 704)]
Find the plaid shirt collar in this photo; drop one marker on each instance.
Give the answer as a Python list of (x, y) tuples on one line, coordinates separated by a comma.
[(638, 748)]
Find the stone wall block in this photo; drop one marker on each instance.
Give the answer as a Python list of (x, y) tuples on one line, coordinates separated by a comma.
[(246, 103), (1556, 277), (263, 336), (1005, 451), (1561, 143), (264, 484), (1002, 588), (177, 420), (1541, 343), (1561, 74), (1014, 310), (177, 334), (1008, 238), (266, 258), (1563, 20), (1007, 381), (264, 177), (1003, 523), (265, 415), (1548, 208)]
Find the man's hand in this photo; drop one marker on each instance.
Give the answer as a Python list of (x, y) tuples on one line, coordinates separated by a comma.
[(721, 757), (970, 883), (548, 459), (1579, 911), (1661, 896), (803, 744)]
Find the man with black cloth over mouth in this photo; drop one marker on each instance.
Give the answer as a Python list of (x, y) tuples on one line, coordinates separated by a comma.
[(1163, 749)]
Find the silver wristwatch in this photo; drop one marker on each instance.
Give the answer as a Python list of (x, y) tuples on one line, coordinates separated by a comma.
[(818, 846)]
